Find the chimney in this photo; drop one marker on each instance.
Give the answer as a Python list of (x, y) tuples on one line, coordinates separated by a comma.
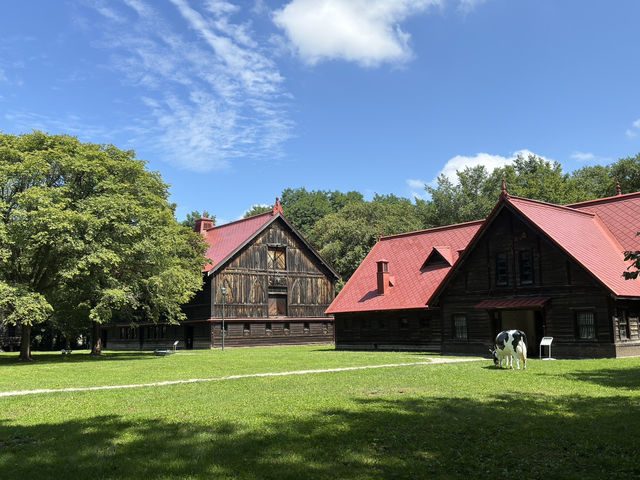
[(383, 276), (203, 224), (618, 189), (277, 208)]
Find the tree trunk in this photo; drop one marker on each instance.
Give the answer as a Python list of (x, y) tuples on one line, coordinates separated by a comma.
[(25, 344), (96, 339)]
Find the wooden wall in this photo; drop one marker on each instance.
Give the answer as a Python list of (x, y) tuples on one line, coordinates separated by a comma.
[(568, 285), (308, 285), (294, 332), (389, 330)]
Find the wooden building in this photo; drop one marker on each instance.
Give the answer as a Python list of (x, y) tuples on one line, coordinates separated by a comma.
[(10, 337), (546, 269), (276, 290)]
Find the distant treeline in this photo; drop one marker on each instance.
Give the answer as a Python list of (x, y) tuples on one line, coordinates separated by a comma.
[(343, 227)]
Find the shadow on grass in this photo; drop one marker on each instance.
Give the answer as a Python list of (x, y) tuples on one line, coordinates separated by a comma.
[(387, 437), (626, 378), (76, 357)]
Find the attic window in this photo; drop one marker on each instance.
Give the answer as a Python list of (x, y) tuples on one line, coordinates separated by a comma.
[(277, 258), (437, 258)]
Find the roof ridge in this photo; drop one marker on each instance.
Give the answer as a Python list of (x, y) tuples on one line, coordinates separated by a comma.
[(239, 220), (547, 204), (434, 229), (612, 238), (605, 199)]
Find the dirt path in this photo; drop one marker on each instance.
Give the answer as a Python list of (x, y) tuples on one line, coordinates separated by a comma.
[(435, 361)]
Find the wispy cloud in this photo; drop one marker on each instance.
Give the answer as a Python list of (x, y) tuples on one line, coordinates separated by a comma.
[(634, 130), (588, 157), (212, 90), (416, 188)]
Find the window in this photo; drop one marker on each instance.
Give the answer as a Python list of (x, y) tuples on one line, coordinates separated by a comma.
[(325, 327), (123, 333), (306, 328), (404, 323), (586, 325), (525, 262), (277, 304), (287, 328), (502, 270), (623, 325), (460, 327), (225, 328), (246, 330), (132, 332), (277, 258), (267, 328)]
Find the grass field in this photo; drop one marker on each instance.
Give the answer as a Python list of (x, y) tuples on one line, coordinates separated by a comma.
[(562, 419)]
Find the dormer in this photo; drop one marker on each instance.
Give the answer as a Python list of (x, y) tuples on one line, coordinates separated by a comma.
[(441, 256)]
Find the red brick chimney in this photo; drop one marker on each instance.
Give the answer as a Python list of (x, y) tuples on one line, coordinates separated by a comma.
[(277, 208), (203, 224), (383, 276)]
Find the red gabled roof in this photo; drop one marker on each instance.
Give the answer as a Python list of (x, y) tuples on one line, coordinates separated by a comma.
[(620, 214), (406, 254), (226, 239), (584, 236)]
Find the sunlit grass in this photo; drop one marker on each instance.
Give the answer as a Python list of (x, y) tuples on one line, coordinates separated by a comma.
[(562, 419)]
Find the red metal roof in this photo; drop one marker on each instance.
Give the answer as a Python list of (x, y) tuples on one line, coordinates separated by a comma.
[(585, 237), (406, 254), (531, 302), (226, 239), (620, 214)]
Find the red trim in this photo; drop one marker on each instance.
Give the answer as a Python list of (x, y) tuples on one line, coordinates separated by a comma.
[(509, 303)]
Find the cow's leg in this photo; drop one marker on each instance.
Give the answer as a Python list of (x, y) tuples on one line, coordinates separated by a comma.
[(510, 362), (517, 355)]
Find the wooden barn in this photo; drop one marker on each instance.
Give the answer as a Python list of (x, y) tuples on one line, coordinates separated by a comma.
[(10, 337), (265, 278), (546, 269)]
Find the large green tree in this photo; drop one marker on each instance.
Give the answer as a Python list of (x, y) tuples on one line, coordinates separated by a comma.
[(304, 209), (87, 234), (344, 238)]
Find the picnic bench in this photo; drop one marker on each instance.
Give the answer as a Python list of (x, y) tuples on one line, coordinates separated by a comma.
[(65, 351), (167, 351)]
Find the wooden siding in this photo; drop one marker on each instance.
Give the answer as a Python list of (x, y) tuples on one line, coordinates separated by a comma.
[(248, 280), (390, 330), (555, 275)]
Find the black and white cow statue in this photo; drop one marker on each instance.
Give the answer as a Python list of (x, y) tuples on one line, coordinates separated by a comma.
[(509, 344)]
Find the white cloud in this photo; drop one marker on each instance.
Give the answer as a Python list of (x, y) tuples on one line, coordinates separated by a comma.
[(490, 162), (212, 93), (583, 156), (467, 6), (363, 31), (634, 130), (416, 188)]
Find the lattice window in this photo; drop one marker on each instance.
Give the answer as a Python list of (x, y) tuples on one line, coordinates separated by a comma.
[(277, 258), (586, 325), (525, 261), (502, 270), (460, 327)]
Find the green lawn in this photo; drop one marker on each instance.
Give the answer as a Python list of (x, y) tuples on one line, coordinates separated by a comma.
[(561, 419)]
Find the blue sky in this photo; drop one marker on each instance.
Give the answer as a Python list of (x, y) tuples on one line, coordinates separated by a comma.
[(234, 101)]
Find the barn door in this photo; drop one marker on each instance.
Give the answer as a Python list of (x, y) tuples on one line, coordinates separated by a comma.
[(188, 337)]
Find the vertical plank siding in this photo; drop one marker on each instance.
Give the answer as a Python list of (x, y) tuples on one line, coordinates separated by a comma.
[(569, 287), (249, 278)]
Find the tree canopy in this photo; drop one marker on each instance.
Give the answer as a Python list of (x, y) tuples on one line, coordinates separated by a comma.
[(88, 235)]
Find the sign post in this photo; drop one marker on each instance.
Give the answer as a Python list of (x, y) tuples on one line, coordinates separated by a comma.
[(546, 342)]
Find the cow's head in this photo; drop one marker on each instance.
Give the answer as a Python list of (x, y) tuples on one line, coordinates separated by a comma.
[(493, 351)]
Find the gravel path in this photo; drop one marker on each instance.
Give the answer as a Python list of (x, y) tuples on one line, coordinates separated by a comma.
[(435, 361)]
